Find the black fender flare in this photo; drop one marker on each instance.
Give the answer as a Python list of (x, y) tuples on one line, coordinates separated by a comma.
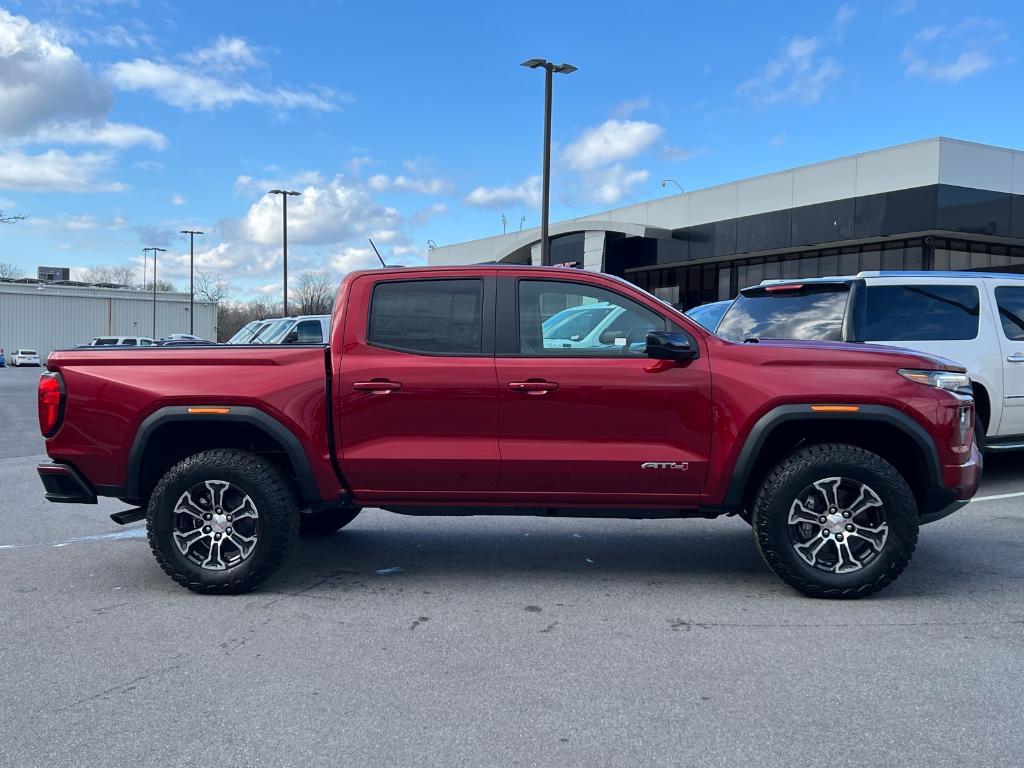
[(236, 414), (883, 414)]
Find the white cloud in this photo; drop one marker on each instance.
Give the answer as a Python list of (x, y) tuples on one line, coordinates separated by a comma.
[(56, 171), (525, 194), (778, 139), (225, 53), (353, 258), (680, 154), (179, 200), (798, 74), (610, 142), (903, 6), (844, 15), (42, 80), (609, 185), (118, 135), (250, 185), (952, 54), (379, 182), (629, 106)]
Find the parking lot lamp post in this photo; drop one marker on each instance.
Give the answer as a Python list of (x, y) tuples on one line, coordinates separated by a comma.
[(549, 69), (155, 252), (284, 193), (191, 276)]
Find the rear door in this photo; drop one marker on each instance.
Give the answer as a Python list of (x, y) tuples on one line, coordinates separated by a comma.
[(601, 423), (415, 390), (1009, 302)]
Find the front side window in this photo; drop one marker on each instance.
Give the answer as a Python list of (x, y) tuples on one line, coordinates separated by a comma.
[(921, 313), (430, 317), (566, 319), (1011, 312), (128, 342), (309, 332)]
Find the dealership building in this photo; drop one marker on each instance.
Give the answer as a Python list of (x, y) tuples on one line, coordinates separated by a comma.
[(937, 204), (45, 314)]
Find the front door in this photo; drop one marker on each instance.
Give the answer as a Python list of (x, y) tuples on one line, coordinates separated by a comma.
[(416, 398), (1009, 302), (597, 422)]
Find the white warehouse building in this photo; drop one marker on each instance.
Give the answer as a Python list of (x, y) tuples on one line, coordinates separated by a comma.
[(45, 316)]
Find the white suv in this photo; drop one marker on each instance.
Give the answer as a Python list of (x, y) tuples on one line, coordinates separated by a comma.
[(122, 341), (974, 318), (24, 357)]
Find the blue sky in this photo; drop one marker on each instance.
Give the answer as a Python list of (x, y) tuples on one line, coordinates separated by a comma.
[(123, 122)]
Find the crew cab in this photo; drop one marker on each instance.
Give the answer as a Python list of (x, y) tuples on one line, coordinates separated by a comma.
[(440, 394)]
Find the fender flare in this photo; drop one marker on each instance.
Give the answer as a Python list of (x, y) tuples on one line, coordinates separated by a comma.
[(764, 427), (238, 414)]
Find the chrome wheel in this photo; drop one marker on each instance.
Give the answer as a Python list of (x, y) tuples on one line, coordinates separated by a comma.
[(216, 525), (838, 525)]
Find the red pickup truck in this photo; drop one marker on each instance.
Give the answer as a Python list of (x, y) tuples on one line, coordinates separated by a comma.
[(516, 391)]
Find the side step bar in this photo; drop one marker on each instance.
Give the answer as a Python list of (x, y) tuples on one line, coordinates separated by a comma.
[(129, 516)]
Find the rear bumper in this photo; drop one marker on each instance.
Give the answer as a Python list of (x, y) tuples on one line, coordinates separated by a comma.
[(65, 485)]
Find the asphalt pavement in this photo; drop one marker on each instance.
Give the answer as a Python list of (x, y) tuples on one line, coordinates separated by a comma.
[(406, 641)]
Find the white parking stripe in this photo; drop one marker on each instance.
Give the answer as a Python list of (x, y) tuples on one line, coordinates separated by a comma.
[(998, 496)]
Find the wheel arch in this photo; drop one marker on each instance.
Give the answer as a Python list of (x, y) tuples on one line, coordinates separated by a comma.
[(171, 433), (881, 429)]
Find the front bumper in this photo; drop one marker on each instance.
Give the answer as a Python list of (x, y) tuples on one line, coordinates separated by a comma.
[(65, 485), (961, 483)]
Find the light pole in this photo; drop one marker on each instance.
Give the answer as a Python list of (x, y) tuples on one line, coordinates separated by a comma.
[(191, 276), (284, 193), (155, 252), (666, 182), (549, 69)]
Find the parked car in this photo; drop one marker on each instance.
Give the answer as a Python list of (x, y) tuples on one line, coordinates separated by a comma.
[(3, 360), (709, 315), (246, 332), (22, 357), (593, 325), (185, 343), (303, 329), (974, 318), (439, 395), (122, 341), (182, 337)]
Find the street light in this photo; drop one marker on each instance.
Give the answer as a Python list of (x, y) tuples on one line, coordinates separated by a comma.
[(191, 276), (284, 193), (549, 69), (155, 252), (666, 182)]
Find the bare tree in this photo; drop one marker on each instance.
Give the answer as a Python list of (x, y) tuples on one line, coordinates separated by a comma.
[(10, 218), (162, 286), (97, 274), (313, 293), (211, 288), (123, 274), (10, 271), (231, 316)]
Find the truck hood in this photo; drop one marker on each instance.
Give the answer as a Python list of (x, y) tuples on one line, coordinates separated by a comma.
[(872, 355)]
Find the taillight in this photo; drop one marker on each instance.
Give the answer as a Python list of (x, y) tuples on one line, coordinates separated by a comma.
[(51, 403)]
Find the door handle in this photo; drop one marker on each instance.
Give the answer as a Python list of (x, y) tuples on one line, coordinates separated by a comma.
[(377, 386), (533, 387), (1015, 358)]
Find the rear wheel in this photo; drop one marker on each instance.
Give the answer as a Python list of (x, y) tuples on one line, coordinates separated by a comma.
[(836, 521), (324, 522), (222, 521)]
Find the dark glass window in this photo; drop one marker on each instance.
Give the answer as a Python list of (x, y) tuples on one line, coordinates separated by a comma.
[(815, 311), (129, 342), (921, 312), (592, 321), (1011, 311), (309, 332), (427, 316)]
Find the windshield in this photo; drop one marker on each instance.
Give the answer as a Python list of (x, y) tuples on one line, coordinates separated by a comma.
[(277, 331), (709, 315), (808, 312), (575, 323), (245, 332)]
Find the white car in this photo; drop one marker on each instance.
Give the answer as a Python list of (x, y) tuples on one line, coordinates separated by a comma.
[(22, 357), (973, 318), (123, 341), (595, 325), (304, 329)]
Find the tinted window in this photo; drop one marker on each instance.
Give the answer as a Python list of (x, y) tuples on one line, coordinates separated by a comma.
[(921, 312), (565, 319), (128, 342), (812, 312), (1011, 312), (146, 343), (428, 316), (105, 342), (310, 332)]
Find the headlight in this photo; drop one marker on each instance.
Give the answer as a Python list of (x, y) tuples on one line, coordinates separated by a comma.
[(953, 382)]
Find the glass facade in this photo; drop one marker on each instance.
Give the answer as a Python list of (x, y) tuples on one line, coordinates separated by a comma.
[(690, 285)]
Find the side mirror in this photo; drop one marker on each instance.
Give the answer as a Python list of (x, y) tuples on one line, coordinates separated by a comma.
[(291, 338), (669, 345), (609, 336)]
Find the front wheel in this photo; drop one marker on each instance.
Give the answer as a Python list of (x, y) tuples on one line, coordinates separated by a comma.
[(222, 521), (836, 521)]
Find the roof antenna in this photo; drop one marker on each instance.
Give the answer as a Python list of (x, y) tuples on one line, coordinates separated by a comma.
[(377, 252)]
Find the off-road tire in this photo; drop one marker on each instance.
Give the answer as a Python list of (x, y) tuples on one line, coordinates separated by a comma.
[(780, 489), (324, 522), (272, 495)]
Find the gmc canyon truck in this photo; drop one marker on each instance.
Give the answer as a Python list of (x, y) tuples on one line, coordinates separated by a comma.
[(461, 391)]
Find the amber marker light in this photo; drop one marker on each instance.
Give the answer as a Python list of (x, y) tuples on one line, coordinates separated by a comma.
[(835, 408), (209, 411)]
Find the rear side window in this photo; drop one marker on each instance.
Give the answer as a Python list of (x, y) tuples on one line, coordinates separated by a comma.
[(1011, 312), (105, 342), (309, 332), (809, 312), (921, 313), (431, 317), (128, 342)]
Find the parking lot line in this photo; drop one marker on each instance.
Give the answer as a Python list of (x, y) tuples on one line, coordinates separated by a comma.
[(997, 496)]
